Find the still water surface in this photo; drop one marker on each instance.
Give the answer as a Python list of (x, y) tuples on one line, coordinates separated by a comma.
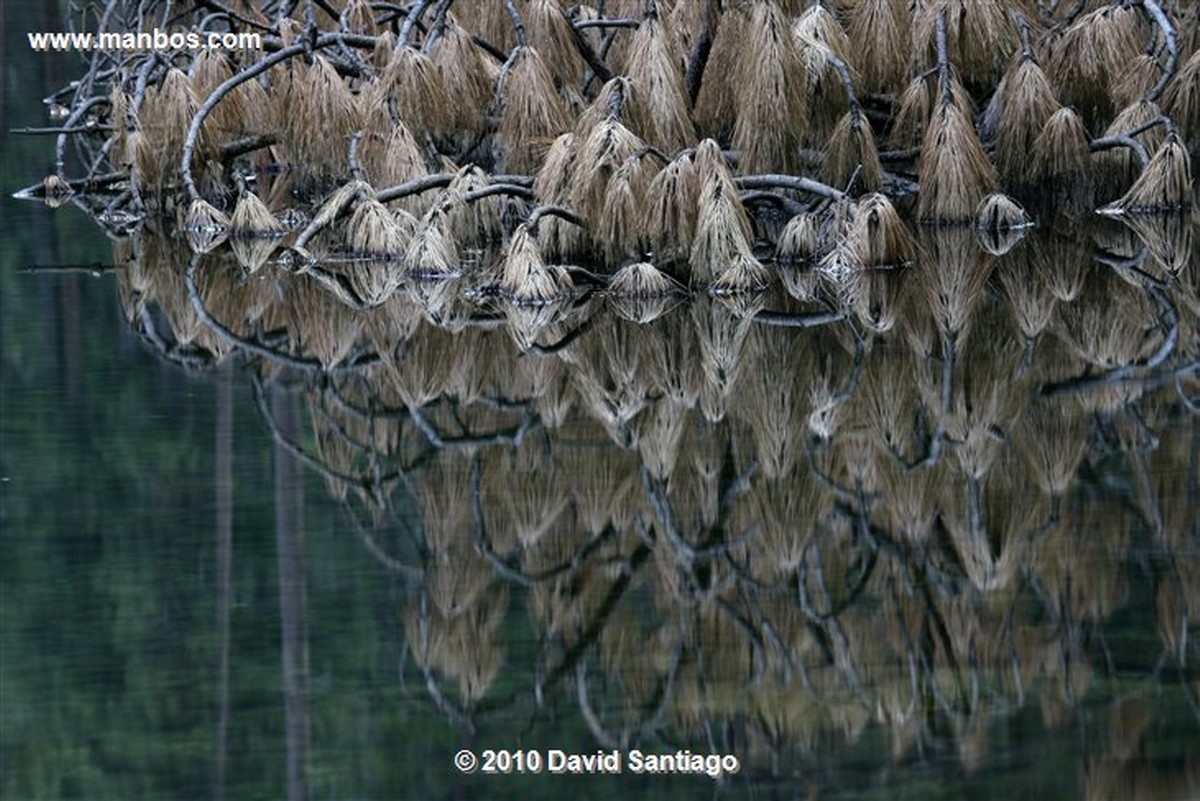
[(257, 545)]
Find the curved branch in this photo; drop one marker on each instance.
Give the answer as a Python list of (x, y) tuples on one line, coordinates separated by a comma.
[(512, 190), (848, 85), (551, 211), (308, 365), (1160, 18), (193, 133), (60, 144), (1122, 140), (416, 186), (796, 182), (589, 714)]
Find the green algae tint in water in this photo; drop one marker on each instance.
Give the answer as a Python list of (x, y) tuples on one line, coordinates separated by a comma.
[(917, 533), (705, 532)]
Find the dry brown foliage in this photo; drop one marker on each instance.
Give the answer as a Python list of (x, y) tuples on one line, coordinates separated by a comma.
[(955, 171)]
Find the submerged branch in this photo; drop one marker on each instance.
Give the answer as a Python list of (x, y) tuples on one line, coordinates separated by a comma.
[(95, 268), (509, 436), (564, 341), (220, 330), (1135, 371), (299, 451), (592, 631)]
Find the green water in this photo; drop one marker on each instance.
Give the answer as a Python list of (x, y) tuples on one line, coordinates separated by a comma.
[(187, 609)]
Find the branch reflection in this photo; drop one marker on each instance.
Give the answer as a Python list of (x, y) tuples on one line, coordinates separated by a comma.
[(905, 501)]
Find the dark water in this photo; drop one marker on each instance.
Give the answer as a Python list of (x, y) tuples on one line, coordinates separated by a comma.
[(308, 553)]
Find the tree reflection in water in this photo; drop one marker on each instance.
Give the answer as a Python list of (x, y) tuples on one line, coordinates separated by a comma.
[(901, 507), (907, 500)]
